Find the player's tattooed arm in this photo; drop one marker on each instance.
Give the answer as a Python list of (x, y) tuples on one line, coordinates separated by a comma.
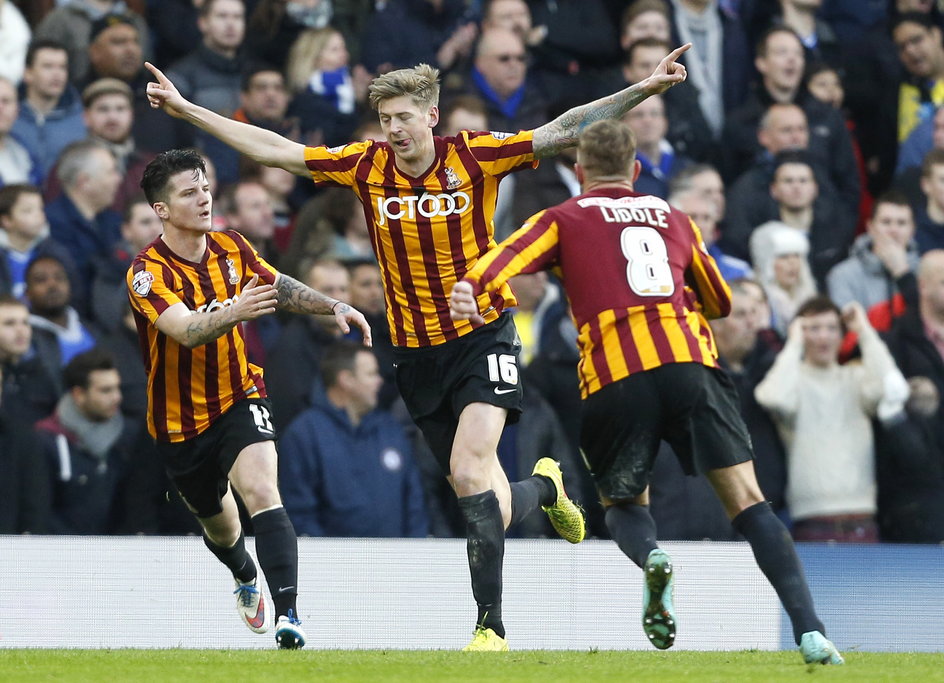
[(561, 133), (202, 329), (297, 297)]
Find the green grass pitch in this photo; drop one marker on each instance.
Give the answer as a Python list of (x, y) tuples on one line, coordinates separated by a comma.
[(375, 666)]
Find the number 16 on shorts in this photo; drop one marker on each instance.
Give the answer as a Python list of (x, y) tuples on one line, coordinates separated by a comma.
[(502, 367)]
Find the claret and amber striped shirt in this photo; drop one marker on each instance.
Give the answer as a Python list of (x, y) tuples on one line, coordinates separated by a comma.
[(190, 388), (427, 231), (638, 275)]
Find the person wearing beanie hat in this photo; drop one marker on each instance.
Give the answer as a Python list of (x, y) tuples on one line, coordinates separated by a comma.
[(779, 254)]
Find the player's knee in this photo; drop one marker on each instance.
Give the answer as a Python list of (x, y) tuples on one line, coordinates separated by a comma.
[(469, 477), (260, 495)]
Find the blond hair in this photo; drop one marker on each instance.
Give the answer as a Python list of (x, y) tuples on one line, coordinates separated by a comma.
[(304, 55), (421, 83), (607, 149)]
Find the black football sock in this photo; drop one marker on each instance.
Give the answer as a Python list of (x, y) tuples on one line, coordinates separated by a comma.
[(486, 548), (277, 549), (528, 494), (633, 529), (236, 558), (777, 558)]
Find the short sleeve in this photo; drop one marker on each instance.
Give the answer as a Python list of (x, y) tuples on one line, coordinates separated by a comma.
[(501, 153), (151, 288), (335, 165)]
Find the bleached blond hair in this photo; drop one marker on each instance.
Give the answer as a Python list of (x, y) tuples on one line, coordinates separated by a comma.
[(421, 84)]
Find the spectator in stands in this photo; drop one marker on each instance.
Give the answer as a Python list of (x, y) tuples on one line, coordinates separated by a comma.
[(18, 164), (59, 333), (645, 19), (81, 219), (328, 94), (346, 468), (500, 78), (538, 313), (928, 135), (880, 259), (747, 357), (109, 118), (80, 442), (174, 27), (824, 412), (658, 160), (115, 50), (367, 295), (929, 215), (211, 74), (50, 114), (705, 181), (783, 129), (24, 475), (280, 184), (72, 25), (913, 449), (327, 224), (687, 125), (922, 55), (247, 208), (30, 390), (292, 374), (263, 101), (780, 61), (463, 112), (718, 64), (779, 254), (24, 236), (704, 212), (139, 227), (909, 449), (796, 193), (15, 37)]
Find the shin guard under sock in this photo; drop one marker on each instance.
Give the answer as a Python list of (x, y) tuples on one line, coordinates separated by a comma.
[(777, 558), (277, 549), (633, 529), (486, 549)]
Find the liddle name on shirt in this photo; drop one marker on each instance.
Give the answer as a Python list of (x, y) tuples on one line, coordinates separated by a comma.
[(427, 205), (650, 211)]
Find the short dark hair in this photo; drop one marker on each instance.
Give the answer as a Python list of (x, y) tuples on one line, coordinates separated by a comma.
[(79, 370), (44, 44), (919, 18), (166, 164), (761, 47), (895, 197), (11, 194), (818, 304), (39, 259), (340, 356), (10, 300), (933, 158), (793, 156), (128, 213), (253, 70)]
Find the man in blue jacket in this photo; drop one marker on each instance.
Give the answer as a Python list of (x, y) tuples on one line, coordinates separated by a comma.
[(347, 469)]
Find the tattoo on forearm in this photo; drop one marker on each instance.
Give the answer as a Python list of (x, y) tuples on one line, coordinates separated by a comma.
[(300, 298), (208, 327), (563, 132)]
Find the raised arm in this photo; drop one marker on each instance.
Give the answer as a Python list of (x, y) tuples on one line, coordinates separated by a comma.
[(298, 297), (259, 144), (563, 131)]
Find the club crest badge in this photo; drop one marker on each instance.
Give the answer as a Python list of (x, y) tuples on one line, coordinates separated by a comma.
[(452, 179), (233, 275), (141, 284)]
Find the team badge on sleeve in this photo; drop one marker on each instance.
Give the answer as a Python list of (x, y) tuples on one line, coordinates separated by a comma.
[(141, 284)]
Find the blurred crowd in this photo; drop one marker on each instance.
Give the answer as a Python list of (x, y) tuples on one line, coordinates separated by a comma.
[(807, 144)]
